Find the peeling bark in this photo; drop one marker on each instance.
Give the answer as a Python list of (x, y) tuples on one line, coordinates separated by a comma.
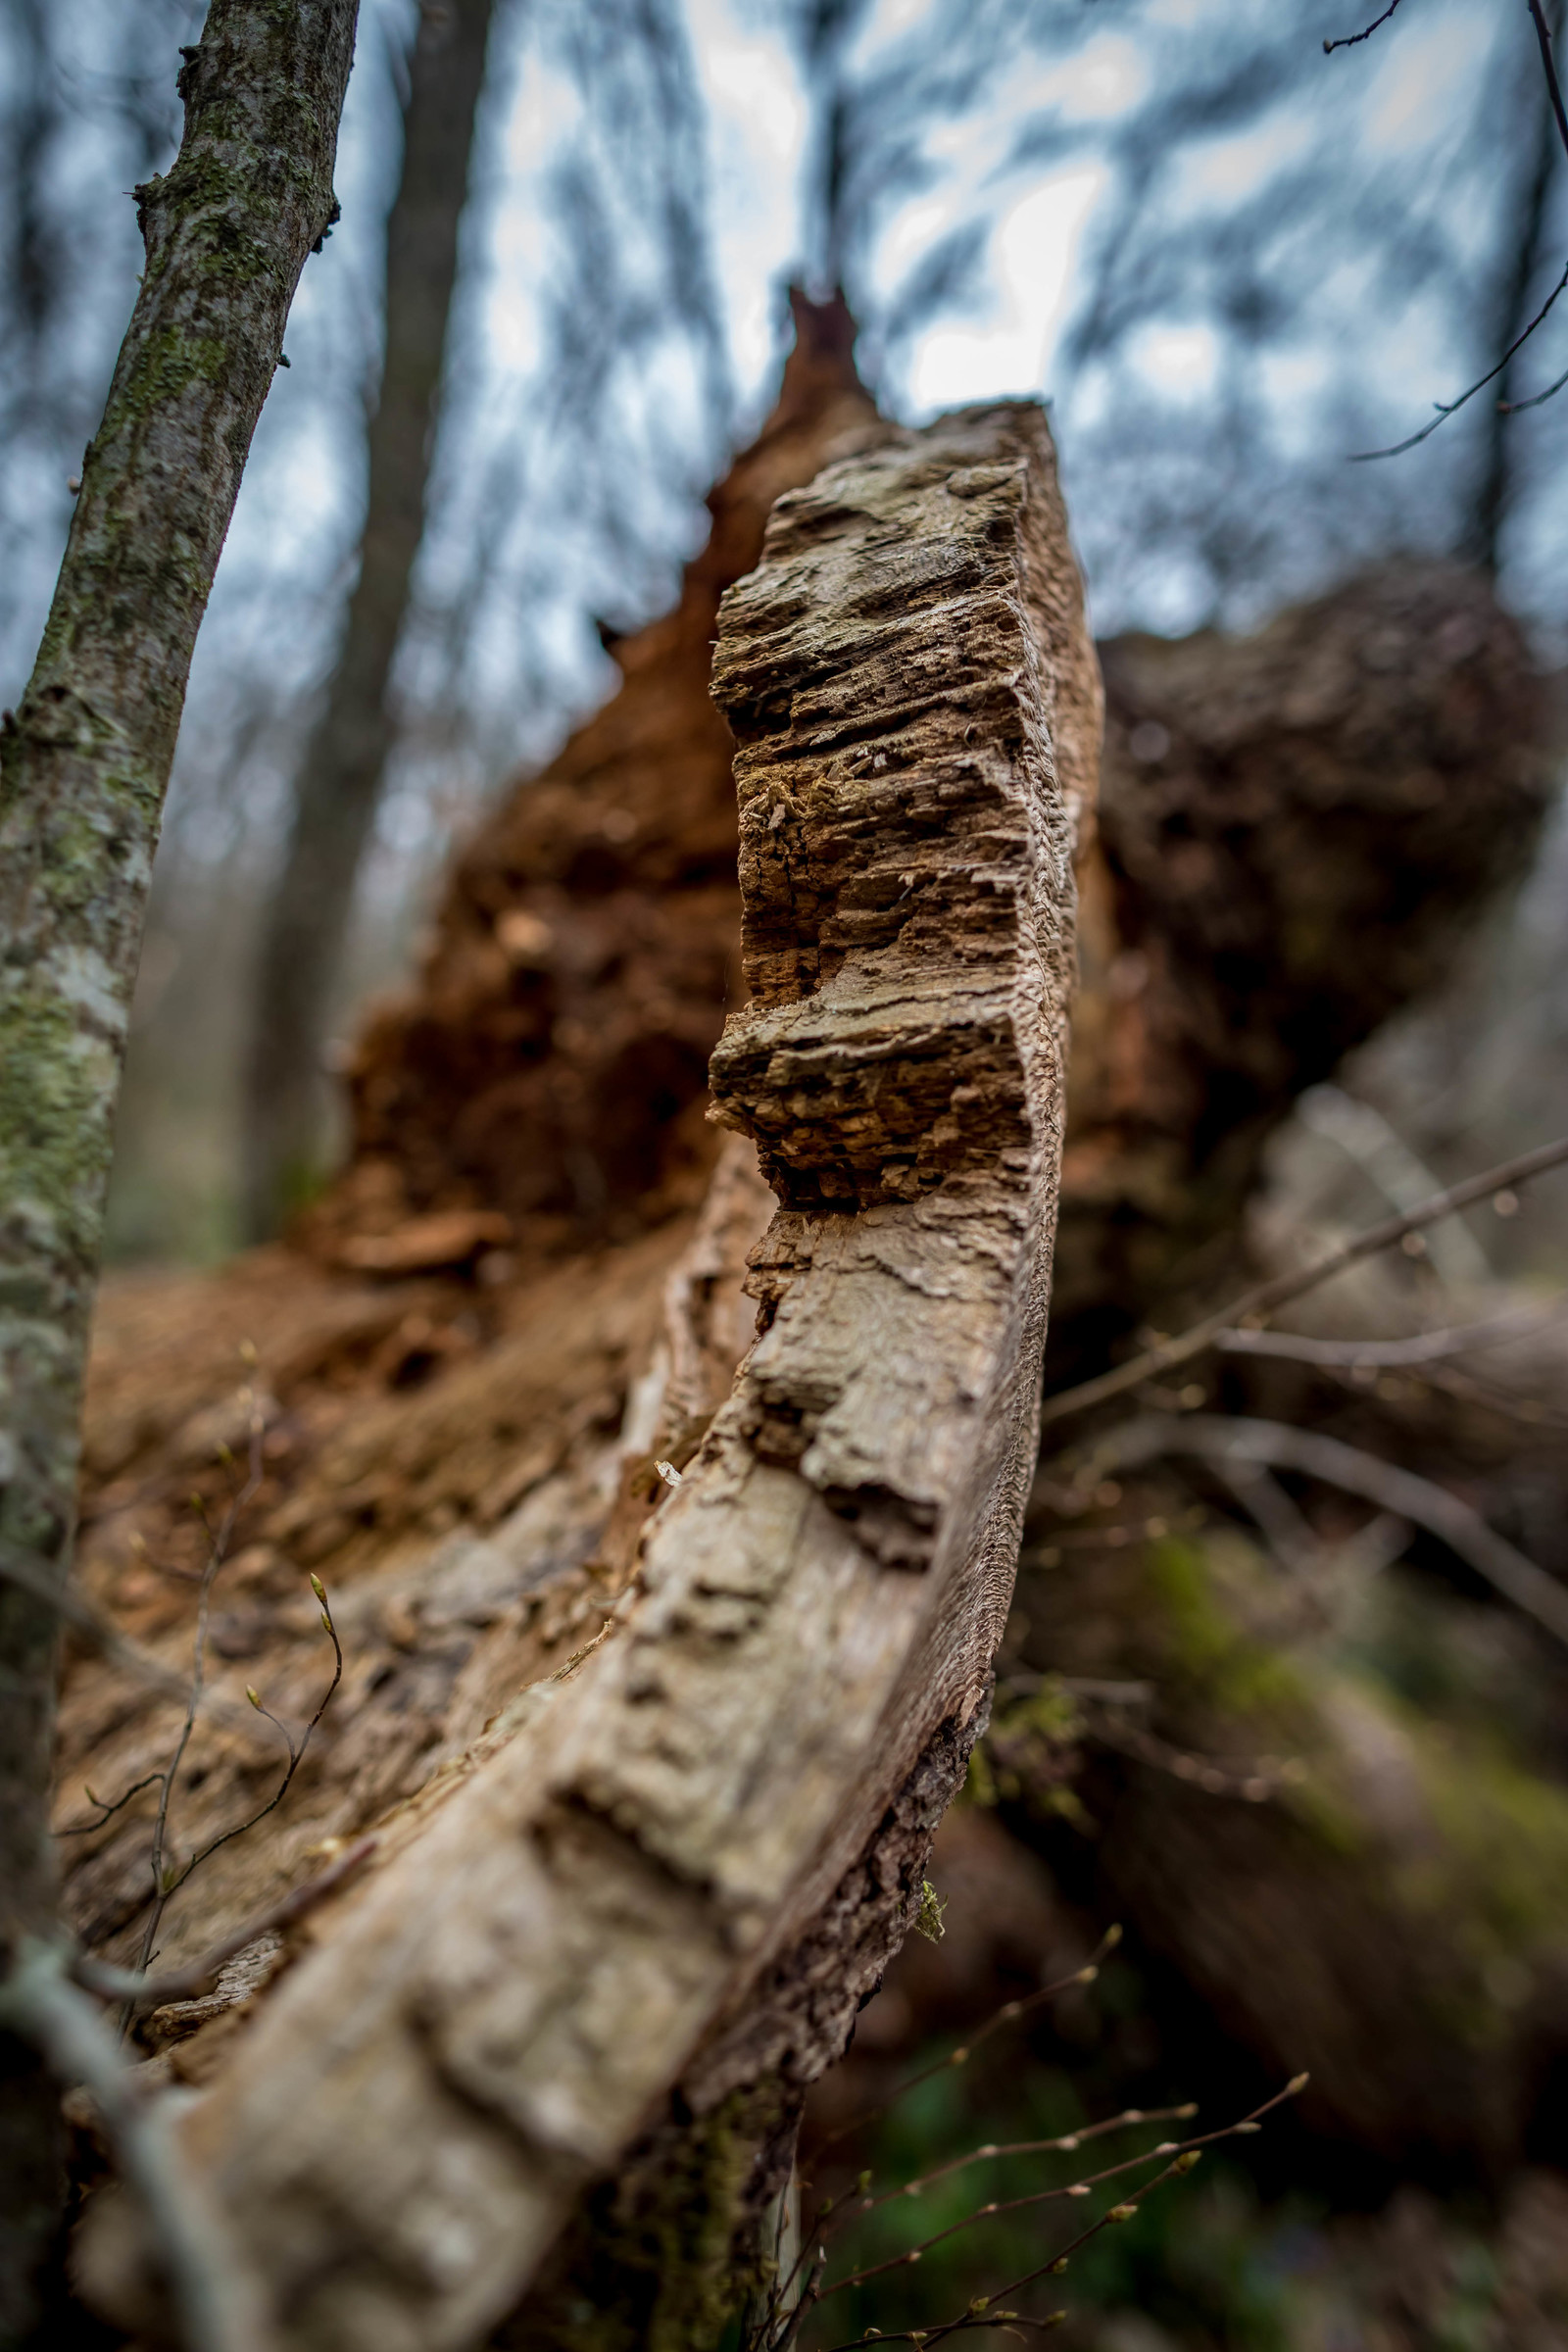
[(85, 761), (671, 1874)]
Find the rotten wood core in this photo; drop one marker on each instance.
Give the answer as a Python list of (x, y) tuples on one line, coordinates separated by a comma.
[(674, 1871)]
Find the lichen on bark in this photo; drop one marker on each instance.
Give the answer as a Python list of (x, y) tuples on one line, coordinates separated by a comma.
[(84, 763)]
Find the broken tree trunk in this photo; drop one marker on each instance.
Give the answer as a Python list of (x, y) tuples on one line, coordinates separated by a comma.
[(671, 1875)]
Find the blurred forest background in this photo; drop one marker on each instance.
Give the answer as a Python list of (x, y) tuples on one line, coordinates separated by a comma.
[(1229, 260)]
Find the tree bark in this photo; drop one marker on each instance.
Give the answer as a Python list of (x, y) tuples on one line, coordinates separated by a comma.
[(340, 777), (86, 763), (671, 1874)]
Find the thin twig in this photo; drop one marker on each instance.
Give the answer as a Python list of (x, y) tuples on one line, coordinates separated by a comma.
[(213, 2306), (1426, 1347), (296, 1758), (107, 1812), (1448, 408), (1182, 2159), (1005, 2016), (1064, 2145), (1353, 40), (1400, 1492), (1265, 1296), (1080, 2188), (1537, 400), (164, 1883), (1548, 67), (178, 1983), (111, 1644)]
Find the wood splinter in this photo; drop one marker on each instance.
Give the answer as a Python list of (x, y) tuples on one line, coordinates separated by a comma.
[(671, 1883)]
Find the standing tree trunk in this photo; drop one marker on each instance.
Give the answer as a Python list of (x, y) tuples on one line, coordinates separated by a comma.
[(85, 763), (340, 779)]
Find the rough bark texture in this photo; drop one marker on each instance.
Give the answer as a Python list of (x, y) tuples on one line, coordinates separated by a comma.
[(340, 779), (462, 1410), (86, 761), (1371, 768), (669, 1868)]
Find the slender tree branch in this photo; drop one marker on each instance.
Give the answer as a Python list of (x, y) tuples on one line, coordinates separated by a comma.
[(211, 2304), (130, 1657), (180, 1984), (1549, 67), (1539, 400), (1450, 408), (1399, 1491), (1266, 1297), (1426, 1347), (1005, 2016), (1353, 40)]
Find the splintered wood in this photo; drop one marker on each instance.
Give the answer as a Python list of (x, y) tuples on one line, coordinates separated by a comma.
[(678, 1869)]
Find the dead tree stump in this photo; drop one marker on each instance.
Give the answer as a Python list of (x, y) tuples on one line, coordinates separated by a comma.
[(661, 1884)]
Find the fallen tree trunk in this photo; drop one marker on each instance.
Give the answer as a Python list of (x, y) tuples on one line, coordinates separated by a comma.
[(461, 1413), (675, 1871)]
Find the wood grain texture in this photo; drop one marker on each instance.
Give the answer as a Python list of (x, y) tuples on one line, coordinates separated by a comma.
[(681, 1865)]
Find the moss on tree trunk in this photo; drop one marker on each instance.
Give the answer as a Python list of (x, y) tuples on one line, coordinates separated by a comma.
[(84, 763)]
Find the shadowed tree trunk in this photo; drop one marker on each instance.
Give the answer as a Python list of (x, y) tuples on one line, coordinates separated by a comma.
[(341, 778), (86, 763)]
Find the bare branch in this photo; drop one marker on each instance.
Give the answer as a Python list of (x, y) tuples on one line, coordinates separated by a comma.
[(1448, 408), (130, 1657), (1005, 2016), (1549, 67), (40, 2002), (1266, 1297), (1281, 1447), (1353, 40), (178, 1983), (1539, 400), (1426, 1347)]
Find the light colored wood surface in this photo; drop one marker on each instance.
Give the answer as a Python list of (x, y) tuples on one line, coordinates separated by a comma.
[(659, 1871)]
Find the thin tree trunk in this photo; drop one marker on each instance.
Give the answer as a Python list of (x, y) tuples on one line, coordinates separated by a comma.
[(83, 767), (340, 779)]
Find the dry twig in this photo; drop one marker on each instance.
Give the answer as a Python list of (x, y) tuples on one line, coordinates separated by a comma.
[(1424, 1348), (1266, 1297), (1277, 1444), (145, 1991)]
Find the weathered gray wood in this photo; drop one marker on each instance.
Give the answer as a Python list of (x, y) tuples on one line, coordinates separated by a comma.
[(681, 1865)]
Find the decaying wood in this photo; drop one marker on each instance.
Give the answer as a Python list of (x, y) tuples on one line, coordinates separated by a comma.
[(549, 1063), (665, 1867)]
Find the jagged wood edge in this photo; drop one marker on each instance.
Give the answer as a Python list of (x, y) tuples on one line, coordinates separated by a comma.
[(669, 1872)]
